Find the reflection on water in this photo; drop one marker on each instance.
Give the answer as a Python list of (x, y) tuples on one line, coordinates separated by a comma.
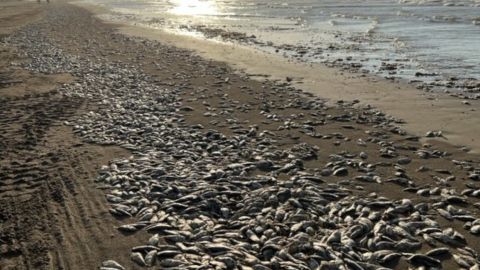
[(194, 7)]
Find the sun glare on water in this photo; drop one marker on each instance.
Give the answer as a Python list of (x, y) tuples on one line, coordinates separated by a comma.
[(194, 7)]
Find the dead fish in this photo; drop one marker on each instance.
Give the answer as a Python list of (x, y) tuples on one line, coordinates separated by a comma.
[(138, 258), (407, 245), (167, 253), (444, 214), (404, 160), (438, 251), (475, 230), (158, 227), (389, 257), (175, 238), (145, 248), (423, 169), (460, 260), (215, 248), (127, 228), (113, 198), (402, 233), (252, 236), (153, 241), (151, 257), (171, 263), (456, 199), (112, 264), (475, 267), (334, 237), (464, 218)]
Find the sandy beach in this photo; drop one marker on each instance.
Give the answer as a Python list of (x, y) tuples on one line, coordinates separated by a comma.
[(438, 111), (91, 111)]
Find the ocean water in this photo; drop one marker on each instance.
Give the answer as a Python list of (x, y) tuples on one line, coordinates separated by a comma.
[(400, 39)]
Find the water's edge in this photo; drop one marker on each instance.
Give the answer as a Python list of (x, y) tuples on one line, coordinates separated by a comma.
[(423, 111)]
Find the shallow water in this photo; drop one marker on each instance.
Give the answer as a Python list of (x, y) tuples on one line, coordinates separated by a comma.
[(441, 37)]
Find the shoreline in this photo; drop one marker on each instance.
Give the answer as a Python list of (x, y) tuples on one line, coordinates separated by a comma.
[(423, 111)]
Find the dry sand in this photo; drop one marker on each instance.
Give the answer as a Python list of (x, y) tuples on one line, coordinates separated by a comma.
[(53, 217)]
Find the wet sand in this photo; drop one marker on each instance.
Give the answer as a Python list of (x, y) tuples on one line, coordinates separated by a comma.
[(52, 216)]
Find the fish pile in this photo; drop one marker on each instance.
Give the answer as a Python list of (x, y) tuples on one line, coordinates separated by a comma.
[(212, 201)]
